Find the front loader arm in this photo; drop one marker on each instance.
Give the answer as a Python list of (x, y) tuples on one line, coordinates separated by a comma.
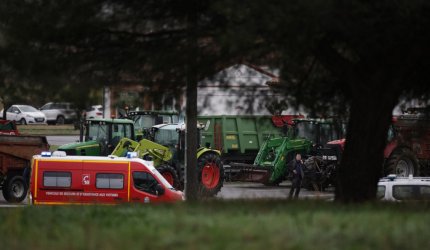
[(158, 152)]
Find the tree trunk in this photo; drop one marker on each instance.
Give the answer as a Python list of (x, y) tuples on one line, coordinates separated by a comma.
[(5, 107), (191, 185), (191, 142), (362, 161)]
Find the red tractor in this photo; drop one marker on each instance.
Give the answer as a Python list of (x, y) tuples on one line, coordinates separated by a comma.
[(408, 145), (408, 148)]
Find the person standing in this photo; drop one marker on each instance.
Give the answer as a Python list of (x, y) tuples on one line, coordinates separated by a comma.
[(296, 170)]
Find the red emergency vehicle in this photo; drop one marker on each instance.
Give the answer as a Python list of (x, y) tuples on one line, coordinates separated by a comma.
[(90, 179)]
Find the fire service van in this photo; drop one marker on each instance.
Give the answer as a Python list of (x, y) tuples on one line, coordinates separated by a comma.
[(60, 179)]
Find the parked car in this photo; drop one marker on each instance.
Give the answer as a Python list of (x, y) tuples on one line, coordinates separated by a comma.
[(59, 112), (394, 188), (94, 112), (25, 114)]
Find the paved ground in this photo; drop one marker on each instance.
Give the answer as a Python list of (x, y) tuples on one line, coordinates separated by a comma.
[(240, 190), (244, 190)]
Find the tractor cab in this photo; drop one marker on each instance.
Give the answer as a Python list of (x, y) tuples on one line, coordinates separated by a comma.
[(319, 131), (169, 135), (144, 120), (173, 136), (100, 136)]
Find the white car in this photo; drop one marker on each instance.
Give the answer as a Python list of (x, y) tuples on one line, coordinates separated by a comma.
[(394, 188), (95, 111), (25, 114)]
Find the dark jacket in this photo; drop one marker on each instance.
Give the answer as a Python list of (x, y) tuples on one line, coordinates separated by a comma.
[(299, 167)]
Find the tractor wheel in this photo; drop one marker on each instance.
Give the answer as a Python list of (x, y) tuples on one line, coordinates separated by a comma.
[(170, 175), (15, 189), (210, 174), (402, 163), (315, 178)]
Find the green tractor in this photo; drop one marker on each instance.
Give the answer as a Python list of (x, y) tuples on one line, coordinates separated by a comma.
[(167, 149), (100, 136), (270, 166)]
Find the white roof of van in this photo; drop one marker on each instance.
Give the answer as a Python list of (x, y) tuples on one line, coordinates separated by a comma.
[(149, 164)]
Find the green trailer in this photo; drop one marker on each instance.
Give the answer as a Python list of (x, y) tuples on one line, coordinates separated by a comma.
[(239, 138)]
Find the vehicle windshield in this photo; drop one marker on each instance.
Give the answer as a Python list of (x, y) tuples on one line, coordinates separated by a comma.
[(307, 130), (380, 193), (97, 132), (147, 121), (391, 134), (27, 109), (327, 133), (143, 121), (161, 178), (166, 137)]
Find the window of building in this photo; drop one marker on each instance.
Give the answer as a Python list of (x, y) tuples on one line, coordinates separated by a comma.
[(57, 179), (110, 181), (145, 182)]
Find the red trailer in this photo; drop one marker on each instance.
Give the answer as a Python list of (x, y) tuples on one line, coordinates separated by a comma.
[(8, 128), (16, 153)]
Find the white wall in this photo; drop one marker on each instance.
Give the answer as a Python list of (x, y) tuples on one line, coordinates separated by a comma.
[(236, 90), (107, 102)]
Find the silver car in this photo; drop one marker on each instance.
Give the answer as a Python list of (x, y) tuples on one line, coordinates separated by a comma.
[(59, 112)]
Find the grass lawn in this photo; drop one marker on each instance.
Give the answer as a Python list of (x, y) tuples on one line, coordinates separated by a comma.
[(218, 225), (48, 129)]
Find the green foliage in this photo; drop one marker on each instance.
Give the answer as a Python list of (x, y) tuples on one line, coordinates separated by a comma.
[(334, 55), (218, 225)]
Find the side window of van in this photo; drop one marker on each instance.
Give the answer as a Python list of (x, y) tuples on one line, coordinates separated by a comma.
[(57, 179), (145, 182), (110, 181)]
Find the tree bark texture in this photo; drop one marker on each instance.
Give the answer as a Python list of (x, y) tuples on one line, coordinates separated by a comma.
[(362, 161), (191, 187)]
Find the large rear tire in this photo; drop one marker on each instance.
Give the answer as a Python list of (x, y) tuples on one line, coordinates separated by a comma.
[(402, 162), (169, 173), (210, 174), (15, 189)]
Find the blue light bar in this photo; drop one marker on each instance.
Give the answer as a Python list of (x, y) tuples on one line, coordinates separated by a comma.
[(131, 154), (46, 154)]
